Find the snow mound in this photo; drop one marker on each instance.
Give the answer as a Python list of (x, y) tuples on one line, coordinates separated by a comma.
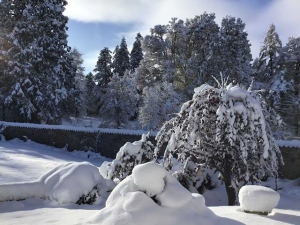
[(258, 199), (68, 182), (65, 184), (151, 196)]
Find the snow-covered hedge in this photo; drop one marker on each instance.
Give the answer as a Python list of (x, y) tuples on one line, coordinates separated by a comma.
[(68, 183)]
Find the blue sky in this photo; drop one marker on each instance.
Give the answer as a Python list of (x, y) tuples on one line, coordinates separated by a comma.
[(95, 24)]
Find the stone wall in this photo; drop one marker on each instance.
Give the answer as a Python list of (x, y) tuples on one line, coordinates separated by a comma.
[(110, 143), (291, 158), (107, 144)]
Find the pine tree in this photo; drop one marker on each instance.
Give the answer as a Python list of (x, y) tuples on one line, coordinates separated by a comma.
[(89, 95), (103, 68), (227, 129), (136, 54), (151, 68), (40, 67), (23, 96), (269, 53), (78, 62), (79, 99), (234, 51), (121, 58), (202, 43), (284, 85)]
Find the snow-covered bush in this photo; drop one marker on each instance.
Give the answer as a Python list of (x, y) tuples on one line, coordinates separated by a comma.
[(68, 183), (258, 199), (196, 177), (130, 155), (150, 196), (226, 129)]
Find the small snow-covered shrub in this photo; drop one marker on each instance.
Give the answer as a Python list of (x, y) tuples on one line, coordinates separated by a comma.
[(196, 177), (258, 199), (130, 155), (151, 195)]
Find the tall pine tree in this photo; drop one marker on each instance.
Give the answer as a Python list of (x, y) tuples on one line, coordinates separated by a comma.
[(234, 51), (268, 54), (121, 61), (136, 54), (39, 64), (103, 68)]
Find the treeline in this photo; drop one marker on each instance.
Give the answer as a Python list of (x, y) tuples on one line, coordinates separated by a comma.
[(43, 81)]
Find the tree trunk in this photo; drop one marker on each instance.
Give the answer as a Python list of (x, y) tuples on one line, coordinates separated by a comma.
[(229, 189)]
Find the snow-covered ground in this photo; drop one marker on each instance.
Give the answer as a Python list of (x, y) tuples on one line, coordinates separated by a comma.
[(27, 162)]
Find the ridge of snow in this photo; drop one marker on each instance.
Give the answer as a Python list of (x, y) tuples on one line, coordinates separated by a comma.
[(73, 128), (288, 143)]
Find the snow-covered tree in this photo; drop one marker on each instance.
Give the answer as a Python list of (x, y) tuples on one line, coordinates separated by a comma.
[(151, 69), (39, 64), (201, 45), (160, 103), (130, 155), (103, 68), (268, 54), (89, 95), (136, 54), (285, 84), (79, 98), (234, 51), (78, 62), (227, 129), (121, 61), (119, 102)]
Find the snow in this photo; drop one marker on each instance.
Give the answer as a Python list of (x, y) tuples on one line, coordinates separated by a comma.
[(27, 162), (75, 128), (255, 198), (171, 204), (65, 183), (288, 143)]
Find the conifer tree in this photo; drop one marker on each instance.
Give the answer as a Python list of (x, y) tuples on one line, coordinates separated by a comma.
[(40, 67), (89, 95), (234, 51), (268, 54), (136, 54), (121, 58), (103, 68)]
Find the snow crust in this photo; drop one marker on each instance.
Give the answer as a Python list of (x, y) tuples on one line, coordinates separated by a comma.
[(256, 198), (151, 196), (65, 183)]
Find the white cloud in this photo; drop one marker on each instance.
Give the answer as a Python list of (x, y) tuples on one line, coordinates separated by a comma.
[(112, 11), (144, 14)]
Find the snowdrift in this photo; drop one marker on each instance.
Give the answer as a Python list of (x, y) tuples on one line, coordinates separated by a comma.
[(66, 183), (151, 196)]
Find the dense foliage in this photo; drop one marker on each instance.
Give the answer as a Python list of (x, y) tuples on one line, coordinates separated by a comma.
[(227, 129)]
